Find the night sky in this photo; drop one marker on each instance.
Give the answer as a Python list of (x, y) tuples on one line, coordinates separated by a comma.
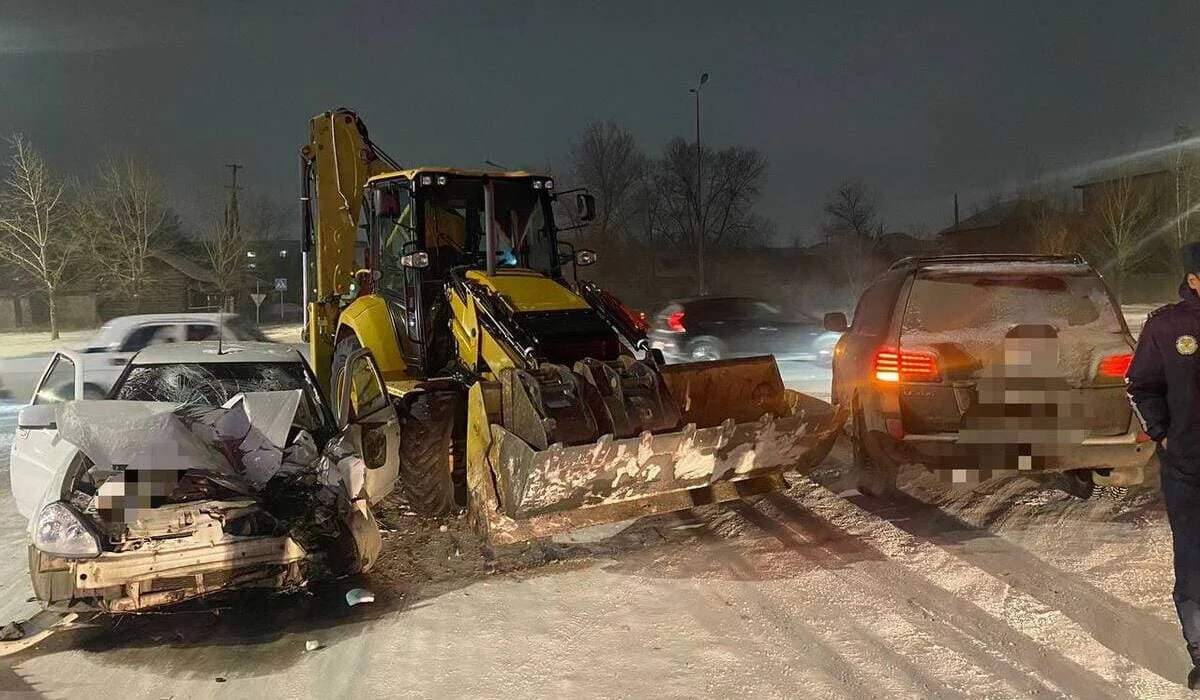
[(918, 99)]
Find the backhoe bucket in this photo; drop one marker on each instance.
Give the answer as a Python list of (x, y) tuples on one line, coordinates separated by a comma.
[(736, 431)]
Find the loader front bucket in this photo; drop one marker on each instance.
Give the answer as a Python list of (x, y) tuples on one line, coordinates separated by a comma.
[(739, 431)]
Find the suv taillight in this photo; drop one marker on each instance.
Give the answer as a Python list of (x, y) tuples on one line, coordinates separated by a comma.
[(894, 366), (1115, 366), (675, 322)]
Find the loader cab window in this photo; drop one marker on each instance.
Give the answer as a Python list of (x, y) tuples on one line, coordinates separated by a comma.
[(454, 217), (392, 221)]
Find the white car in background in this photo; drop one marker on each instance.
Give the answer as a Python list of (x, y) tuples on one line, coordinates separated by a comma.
[(105, 356)]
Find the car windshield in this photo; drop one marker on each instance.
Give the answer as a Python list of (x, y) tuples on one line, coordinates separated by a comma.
[(213, 384)]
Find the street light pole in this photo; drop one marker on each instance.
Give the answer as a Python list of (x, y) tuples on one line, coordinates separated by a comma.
[(700, 232)]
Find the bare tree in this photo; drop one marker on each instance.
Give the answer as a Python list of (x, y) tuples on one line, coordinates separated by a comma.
[(607, 161), (850, 212), (723, 208), (1124, 209), (852, 230), (127, 220), (226, 250), (264, 219), (36, 236), (1185, 182)]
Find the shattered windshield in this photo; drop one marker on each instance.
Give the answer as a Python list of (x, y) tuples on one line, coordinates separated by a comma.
[(213, 384)]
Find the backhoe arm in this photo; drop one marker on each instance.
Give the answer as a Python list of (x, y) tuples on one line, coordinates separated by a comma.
[(335, 166)]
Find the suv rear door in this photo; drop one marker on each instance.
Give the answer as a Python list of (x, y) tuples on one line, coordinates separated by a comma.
[(1046, 338)]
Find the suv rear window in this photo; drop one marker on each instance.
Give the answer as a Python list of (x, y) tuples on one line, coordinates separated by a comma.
[(973, 312), (995, 303)]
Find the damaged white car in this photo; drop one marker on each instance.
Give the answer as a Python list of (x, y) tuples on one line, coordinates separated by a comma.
[(209, 468)]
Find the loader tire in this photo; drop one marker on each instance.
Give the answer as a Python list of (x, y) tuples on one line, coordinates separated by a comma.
[(341, 352), (426, 446), (876, 477)]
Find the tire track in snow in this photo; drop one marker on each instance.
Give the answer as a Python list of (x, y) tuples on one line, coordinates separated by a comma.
[(859, 649), (970, 589), (1136, 634), (784, 630), (990, 646)]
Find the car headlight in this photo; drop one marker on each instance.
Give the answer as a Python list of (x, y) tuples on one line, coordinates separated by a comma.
[(61, 532)]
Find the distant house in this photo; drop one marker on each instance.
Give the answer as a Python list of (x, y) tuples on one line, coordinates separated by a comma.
[(1000, 228), (179, 285)]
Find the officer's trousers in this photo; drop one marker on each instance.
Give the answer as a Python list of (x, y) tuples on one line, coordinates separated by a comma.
[(1181, 492)]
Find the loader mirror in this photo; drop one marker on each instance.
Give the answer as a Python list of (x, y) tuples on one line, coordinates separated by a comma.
[(415, 260), (836, 322), (585, 207), (585, 257)]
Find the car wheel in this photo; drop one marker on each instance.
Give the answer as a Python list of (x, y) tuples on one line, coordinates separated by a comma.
[(341, 353), (876, 475), (705, 351)]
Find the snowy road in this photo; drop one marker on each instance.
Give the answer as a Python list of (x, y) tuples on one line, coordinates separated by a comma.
[(1015, 591)]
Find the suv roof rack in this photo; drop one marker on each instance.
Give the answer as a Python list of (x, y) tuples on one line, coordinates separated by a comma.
[(922, 260)]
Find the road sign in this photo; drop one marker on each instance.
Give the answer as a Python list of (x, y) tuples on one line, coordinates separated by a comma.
[(281, 284), (257, 298)]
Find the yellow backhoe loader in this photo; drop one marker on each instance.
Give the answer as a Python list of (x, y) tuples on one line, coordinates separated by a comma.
[(534, 402)]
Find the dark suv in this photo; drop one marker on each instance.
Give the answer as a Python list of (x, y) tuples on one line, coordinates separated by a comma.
[(978, 365), (715, 328)]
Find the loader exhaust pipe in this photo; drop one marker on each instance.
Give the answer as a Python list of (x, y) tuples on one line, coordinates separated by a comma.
[(489, 225)]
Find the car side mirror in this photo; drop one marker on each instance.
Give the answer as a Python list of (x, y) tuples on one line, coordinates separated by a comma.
[(585, 207), (38, 417), (585, 257), (836, 322)]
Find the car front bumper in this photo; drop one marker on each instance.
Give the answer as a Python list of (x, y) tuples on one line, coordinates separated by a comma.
[(171, 572)]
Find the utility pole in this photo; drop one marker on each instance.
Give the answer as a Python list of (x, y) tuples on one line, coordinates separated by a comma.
[(232, 220), (231, 209), (700, 227)]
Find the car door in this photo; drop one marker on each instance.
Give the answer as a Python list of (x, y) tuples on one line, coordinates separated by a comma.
[(365, 408), (37, 452), (771, 329), (731, 321)]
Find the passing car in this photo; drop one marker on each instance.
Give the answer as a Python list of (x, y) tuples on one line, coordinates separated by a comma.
[(977, 366), (715, 328), (211, 467), (106, 354)]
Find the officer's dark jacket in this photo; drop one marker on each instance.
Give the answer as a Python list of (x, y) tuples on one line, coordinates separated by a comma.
[(1162, 379)]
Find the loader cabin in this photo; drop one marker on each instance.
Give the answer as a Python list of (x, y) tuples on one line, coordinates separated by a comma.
[(425, 226), (438, 219)]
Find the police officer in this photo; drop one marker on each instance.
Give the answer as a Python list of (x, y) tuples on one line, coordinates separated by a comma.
[(1164, 385)]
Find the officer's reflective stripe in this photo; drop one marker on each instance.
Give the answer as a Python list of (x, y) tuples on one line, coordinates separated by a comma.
[(1138, 413)]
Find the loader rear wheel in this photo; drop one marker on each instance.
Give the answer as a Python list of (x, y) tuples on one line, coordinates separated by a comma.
[(876, 476), (341, 352), (426, 446)]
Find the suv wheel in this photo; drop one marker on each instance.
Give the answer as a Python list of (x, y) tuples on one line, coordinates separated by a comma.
[(705, 351), (1077, 483), (876, 475)]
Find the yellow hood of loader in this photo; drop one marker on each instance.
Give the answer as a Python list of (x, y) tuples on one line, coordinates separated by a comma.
[(526, 290)]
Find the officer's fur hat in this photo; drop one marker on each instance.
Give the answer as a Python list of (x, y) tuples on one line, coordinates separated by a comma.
[(1189, 255)]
